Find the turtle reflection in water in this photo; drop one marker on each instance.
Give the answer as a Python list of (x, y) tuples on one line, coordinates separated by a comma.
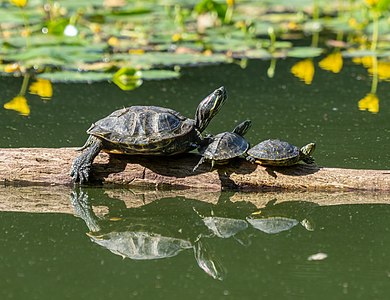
[(224, 227), (275, 218), (146, 130), (138, 238)]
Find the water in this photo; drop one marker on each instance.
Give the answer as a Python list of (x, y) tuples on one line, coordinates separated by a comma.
[(50, 255), (45, 254), (325, 112)]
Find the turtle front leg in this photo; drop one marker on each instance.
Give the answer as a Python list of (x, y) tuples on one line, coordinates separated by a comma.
[(201, 161), (250, 159), (81, 166)]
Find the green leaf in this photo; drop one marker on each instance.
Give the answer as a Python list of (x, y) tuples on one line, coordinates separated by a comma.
[(73, 76), (158, 59), (304, 52), (159, 74), (127, 79)]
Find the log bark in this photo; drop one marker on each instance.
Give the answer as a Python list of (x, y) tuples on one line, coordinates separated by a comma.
[(41, 166)]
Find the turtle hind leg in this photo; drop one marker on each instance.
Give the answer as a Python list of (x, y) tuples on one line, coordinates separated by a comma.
[(81, 166)]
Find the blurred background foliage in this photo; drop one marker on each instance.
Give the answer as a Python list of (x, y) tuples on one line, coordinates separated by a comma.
[(127, 42)]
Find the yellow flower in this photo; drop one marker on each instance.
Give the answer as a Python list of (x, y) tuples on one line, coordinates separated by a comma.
[(19, 3), (42, 88), (383, 70), (12, 68), (370, 103), (113, 41), (136, 51), (333, 62), (19, 104), (366, 61), (304, 70), (230, 2), (176, 37), (371, 2)]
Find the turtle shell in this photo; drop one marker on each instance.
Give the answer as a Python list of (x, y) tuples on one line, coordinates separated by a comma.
[(225, 146), (141, 245), (273, 225), (145, 130), (275, 152), (225, 227)]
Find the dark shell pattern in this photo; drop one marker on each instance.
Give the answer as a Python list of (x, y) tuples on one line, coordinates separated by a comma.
[(275, 150), (144, 127), (225, 146)]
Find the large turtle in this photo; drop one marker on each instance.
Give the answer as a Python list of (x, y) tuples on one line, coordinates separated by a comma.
[(145, 236), (225, 145), (146, 130), (280, 153)]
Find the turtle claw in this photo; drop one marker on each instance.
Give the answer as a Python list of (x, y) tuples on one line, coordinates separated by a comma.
[(81, 175), (81, 167), (80, 170)]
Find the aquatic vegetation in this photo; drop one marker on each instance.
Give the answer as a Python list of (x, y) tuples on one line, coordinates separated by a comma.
[(42, 88), (126, 42), (332, 62), (19, 104), (304, 70), (370, 102)]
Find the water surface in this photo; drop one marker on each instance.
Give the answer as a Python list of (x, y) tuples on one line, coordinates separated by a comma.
[(61, 256)]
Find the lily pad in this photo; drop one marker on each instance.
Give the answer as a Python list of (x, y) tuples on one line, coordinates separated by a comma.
[(127, 79), (149, 60), (70, 76), (304, 52), (159, 74)]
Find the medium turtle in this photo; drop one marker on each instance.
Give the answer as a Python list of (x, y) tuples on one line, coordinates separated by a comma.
[(146, 130), (280, 153), (225, 145)]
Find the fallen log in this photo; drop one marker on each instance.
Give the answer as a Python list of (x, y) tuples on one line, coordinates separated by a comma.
[(42, 166)]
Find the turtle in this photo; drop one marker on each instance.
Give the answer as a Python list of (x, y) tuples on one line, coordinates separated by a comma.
[(272, 225), (225, 145), (280, 153), (146, 130), (139, 245), (145, 237)]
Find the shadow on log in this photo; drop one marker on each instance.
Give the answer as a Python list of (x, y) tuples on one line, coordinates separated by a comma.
[(41, 166)]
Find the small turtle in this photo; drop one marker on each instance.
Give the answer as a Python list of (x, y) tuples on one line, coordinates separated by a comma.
[(280, 153), (146, 130), (272, 225), (225, 145)]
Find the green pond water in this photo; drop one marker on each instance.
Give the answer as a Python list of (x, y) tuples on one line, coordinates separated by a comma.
[(177, 247)]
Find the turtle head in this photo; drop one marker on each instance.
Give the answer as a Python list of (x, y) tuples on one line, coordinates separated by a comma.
[(209, 107), (308, 149), (242, 128), (306, 152)]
